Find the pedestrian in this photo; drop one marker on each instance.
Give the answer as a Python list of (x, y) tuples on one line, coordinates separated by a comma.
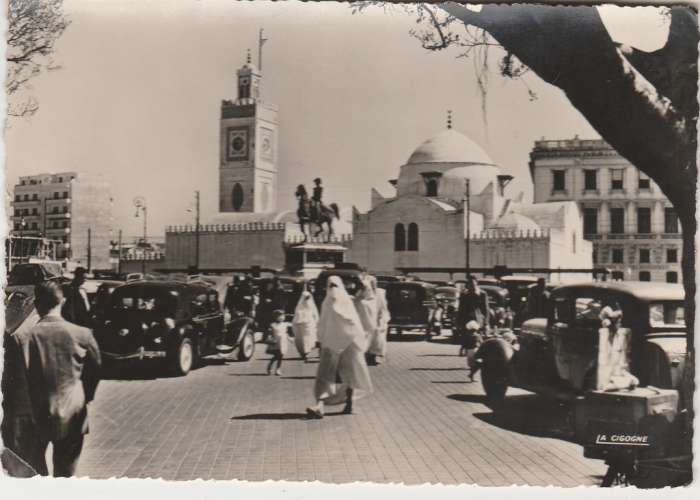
[(538, 300), (76, 308), (342, 371), (63, 363), (365, 301), (305, 325), (612, 371), (376, 352), (473, 306), (21, 456), (278, 341)]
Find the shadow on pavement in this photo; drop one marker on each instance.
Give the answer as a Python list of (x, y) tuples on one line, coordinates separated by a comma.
[(307, 377), (272, 416), (468, 398), (532, 415), (428, 369)]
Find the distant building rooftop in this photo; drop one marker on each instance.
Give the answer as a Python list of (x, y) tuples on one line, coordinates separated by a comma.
[(574, 144)]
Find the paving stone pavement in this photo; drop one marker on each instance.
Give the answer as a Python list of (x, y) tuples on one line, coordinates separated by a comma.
[(423, 424)]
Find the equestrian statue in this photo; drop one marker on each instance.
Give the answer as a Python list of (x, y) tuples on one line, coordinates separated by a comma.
[(313, 211)]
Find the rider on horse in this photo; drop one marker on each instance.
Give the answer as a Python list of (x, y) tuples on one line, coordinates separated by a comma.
[(316, 203)]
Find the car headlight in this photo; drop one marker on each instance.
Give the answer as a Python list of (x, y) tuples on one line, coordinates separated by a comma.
[(157, 340), (123, 332), (169, 323)]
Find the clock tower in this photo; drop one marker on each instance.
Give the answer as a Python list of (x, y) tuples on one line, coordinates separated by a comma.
[(248, 148)]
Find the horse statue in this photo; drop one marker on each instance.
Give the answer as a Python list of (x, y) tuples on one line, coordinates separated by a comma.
[(326, 215)]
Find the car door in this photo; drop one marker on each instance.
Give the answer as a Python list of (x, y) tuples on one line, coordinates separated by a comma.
[(576, 342)]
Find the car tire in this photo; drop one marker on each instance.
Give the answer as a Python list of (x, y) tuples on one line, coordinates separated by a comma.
[(184, 357), (495, 384), (246, 348)]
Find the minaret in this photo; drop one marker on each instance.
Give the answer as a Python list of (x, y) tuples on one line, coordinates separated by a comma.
[(248, 147)]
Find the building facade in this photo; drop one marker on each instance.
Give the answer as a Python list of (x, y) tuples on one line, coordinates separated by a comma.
[(633, 227), (73, 208), (426, 223)]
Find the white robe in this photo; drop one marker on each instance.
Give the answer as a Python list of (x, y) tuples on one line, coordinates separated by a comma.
[(305, 324)]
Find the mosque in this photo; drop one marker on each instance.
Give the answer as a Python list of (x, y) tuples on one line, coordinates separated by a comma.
[(448, 185)]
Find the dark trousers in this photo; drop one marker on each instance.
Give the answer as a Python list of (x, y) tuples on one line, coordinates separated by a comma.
[(20, 437), (276, 357), (66, 453)]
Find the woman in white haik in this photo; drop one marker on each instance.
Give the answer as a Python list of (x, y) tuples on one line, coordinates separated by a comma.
[(342, 369), (305, 324), (377, 341)]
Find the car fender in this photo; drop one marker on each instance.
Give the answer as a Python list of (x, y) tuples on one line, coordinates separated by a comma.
[(238, 327), (495, 353)]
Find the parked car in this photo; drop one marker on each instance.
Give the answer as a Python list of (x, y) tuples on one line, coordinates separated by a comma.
[(448, 297), (351, 275), (499, 303), (26, 276), (518, 289), (411, 305), (173, 321), (557, 356), (292, 287)]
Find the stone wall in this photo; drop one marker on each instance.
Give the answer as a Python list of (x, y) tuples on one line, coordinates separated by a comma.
[(226, 246)]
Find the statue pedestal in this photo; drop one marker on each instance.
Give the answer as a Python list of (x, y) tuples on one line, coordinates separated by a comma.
[(309, 259)]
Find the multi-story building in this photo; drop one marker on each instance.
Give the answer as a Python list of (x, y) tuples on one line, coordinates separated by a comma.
[(73, 208), (634, 228)]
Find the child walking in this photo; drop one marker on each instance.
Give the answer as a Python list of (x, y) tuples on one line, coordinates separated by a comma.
[(279, 341)]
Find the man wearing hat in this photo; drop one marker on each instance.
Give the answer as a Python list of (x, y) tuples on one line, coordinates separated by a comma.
[(76, 308)]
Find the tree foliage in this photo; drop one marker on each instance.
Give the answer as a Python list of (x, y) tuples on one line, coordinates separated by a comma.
[(34, 26)]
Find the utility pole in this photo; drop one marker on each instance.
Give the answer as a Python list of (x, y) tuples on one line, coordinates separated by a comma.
[(196, 227), (469, 235), (43, 224), (89, 250), (119, 252)]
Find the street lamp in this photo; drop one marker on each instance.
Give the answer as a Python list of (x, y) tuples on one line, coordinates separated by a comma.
[(22, 226), (140, 204)]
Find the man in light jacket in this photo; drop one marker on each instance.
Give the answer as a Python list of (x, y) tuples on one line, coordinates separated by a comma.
[(63, 363)]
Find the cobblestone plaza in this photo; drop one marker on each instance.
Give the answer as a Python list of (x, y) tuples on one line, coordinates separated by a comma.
[(423, 424)]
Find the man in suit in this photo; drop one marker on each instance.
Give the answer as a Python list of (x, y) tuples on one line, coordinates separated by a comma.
[(76, 308), (473, 306), (63, 363)]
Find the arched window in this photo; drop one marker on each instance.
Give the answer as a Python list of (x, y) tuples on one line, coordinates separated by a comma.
[(399, 238), (413, 237), (431, 187), (237, 197)]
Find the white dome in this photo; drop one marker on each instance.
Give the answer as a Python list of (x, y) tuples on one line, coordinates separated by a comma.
[(449, 146)]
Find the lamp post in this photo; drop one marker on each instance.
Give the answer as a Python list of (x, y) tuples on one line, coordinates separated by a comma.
[(140, 204), (196, 232), (22, 226), (467, 195)]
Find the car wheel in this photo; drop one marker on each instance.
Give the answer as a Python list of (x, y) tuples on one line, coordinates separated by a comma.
[(495, 384), (184, 357), (246, 349)]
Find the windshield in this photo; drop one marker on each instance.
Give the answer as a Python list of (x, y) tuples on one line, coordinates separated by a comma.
[(155, 301), (663, 314)]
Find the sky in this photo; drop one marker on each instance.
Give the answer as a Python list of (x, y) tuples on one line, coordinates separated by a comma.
[(138, 94)]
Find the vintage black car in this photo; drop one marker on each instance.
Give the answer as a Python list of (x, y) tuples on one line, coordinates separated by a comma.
[(173, 321), (351, 275), (557, 356), (411, 305)]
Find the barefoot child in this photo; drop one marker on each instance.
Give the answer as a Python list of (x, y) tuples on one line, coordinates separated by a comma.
[(279, 341)]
